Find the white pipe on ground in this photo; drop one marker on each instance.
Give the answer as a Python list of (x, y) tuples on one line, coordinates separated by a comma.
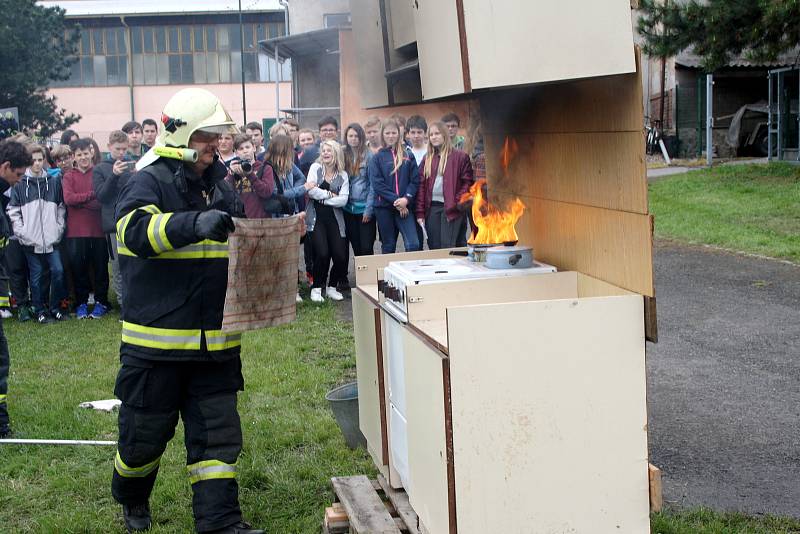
[(55, 442)]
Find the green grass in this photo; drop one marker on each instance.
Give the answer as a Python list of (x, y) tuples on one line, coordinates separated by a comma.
[(748, 208), (292, 444)]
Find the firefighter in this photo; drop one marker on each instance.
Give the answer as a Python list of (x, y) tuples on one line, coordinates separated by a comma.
[(173, 220)]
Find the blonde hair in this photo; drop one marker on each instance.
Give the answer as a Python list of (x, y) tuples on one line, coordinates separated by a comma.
[(399, 149), (338, 156), (60, 151), (280, 154), (444, 150)]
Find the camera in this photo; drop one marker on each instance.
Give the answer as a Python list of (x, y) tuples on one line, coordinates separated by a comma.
[(247, 166)]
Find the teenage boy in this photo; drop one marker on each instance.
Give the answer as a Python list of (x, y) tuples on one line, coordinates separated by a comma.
[(108, 178), (328, 129), (453, 124), (418, 135), (86, 244), (294, 129), (149, 133), (134, 132), (38, 217), (372, 128), (256, 132), (13, 161)]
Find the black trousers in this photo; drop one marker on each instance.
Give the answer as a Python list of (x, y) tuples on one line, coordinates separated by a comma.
[(89, 254), (360, 235), (5, 362), (328, 245), (18, 275), (153, 394), (443, 233), (308, 252)]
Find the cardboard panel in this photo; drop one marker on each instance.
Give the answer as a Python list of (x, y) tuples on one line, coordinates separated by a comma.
[(603, 169), (513, 43), (614, 246), (370, 402), (436, 298), (439, 48), (367, 29), (607, 104), (550, 426), (427, 454)]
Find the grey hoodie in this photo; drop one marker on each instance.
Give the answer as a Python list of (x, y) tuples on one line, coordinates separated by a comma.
[(37, 212)]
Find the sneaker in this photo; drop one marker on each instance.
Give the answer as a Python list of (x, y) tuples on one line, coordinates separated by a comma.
[(90, 300), (136, 516), (316, 294), (239, 528), (299, 299), (332, 294), (82, 311), (344, 285), (98, 311), (310, 278), (6, 433), (43, 318), (60, 315), (5, 313), (25, 313)]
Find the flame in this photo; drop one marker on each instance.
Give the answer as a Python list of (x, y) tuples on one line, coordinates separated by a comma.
[(508, 153), (494, 225)]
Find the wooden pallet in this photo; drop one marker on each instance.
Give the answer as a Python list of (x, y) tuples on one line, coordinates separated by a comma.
[(365, 506)]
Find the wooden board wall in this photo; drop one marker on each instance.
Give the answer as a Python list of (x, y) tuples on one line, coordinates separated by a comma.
[(581, 171)]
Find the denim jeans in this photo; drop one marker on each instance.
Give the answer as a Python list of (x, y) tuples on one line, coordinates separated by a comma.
[(39, 292), (389, 222)]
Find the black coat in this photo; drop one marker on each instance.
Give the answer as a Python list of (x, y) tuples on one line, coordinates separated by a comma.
[(107, 186)]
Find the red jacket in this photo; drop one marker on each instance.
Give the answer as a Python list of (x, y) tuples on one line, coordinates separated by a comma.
[(457, 181), (83, 208)]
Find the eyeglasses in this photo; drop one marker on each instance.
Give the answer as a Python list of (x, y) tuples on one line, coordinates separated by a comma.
[(327, 130)]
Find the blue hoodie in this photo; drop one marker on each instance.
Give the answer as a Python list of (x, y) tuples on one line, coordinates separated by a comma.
[(389, 185)]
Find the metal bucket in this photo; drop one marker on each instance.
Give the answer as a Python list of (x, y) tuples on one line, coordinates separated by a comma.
[(344, 405)]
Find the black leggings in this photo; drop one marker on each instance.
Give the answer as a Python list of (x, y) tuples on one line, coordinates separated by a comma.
[(328, 245), (361, 235)]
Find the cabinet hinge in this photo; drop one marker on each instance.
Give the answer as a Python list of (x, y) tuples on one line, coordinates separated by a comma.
[(415, 300), (361, 267)]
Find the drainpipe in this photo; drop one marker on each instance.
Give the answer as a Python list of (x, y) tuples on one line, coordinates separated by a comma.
[(129, 47)]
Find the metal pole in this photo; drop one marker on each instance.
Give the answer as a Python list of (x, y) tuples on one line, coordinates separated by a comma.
[(129, 54), (241, 53), (769, 117), (779, 148), (277, 86), (55, 442), (709, 117)]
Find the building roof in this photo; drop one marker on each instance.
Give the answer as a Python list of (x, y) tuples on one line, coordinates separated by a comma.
[(303, 44), (103, 8), (688, 58)]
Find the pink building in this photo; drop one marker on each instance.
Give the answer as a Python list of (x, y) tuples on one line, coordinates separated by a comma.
[(134, 55)]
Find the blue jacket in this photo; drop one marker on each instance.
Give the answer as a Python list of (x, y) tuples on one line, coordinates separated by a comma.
[(362, 196), (388, 185)]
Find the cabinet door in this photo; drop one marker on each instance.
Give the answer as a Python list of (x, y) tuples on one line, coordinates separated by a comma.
[(511, 42), (439, 48), (371, 414), (427, 448)]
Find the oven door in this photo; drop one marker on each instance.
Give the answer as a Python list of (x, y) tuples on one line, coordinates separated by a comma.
[(398, 440)]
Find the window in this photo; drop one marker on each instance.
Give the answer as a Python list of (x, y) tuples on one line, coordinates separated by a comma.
[(335, 20), (176, 55)]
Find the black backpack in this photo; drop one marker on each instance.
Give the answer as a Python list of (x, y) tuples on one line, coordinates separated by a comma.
[(277, 204)]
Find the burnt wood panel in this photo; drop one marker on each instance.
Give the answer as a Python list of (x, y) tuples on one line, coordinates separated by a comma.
[(602, 169)]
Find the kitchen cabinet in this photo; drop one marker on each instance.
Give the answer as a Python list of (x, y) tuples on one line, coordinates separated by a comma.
[(525, 404)]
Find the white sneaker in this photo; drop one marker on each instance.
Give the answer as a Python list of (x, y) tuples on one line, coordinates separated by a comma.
[(299, 299), (6, 313), (316, 295), (332, 294)]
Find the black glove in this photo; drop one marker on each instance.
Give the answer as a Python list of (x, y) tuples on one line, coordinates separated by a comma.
[(214, 225)]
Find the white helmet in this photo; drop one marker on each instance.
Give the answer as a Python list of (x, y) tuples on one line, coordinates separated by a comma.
[(191, 110)]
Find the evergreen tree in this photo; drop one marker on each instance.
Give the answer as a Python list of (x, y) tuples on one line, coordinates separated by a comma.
[(36, 48), (719, 29)]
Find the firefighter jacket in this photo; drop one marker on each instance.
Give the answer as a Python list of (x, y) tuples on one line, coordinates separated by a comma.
[(175, 283)]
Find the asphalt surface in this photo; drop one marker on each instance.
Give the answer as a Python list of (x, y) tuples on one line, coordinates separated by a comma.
[(724, 381)]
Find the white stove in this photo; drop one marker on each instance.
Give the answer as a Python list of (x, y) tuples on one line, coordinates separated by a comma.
[(399, 275)]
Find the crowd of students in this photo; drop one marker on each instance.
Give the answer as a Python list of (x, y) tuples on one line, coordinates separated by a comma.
[(373, 182)]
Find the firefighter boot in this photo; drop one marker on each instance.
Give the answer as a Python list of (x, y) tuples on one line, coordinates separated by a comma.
[(238, 528), (137, 517)]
